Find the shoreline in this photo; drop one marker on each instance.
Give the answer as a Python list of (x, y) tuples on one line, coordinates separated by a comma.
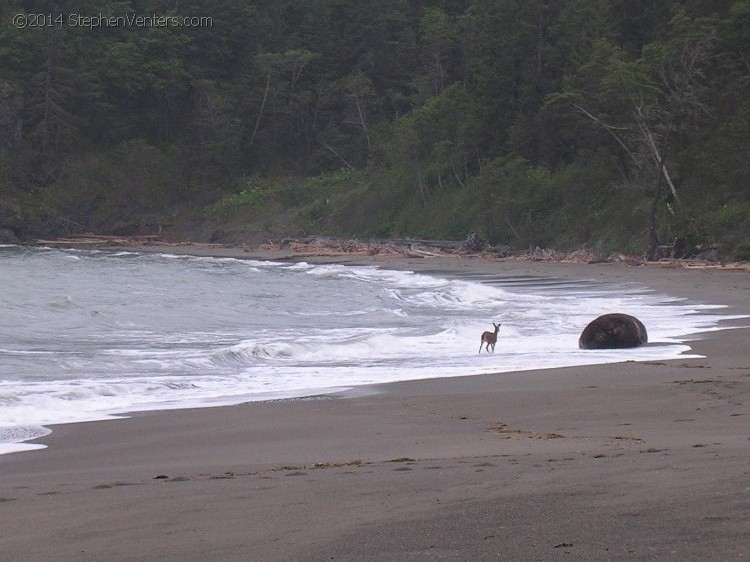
[(617, 461), (320, 248), (447, 265)]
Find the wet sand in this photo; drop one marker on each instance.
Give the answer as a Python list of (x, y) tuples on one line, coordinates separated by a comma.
[(631, 461)]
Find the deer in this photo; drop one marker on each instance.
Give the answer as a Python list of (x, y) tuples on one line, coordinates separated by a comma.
[(489, 338)]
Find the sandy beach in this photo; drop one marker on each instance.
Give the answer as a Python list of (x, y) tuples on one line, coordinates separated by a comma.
[(630, 461)]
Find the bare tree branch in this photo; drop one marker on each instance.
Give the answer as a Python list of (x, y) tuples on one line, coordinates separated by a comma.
[(329, 147), (262, 105), (611, 130)]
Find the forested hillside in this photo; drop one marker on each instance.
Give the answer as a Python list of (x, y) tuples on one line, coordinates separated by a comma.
[(612, 124)]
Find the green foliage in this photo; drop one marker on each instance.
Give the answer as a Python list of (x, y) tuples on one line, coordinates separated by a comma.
[(741, 251), (372, 208), (311, 195), (253, 193), (334, 181), (729, 223), (611, 124)]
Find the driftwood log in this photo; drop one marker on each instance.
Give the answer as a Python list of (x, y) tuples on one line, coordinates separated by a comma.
[(613, 331)]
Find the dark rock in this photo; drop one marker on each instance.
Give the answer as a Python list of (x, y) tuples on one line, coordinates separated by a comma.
[(7, 236), (10, 217), (11, 224), (613, 331)]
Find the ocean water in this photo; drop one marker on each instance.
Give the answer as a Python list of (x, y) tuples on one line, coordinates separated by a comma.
[(89, 335)]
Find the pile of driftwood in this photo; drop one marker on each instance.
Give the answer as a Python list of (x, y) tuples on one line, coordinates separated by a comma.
[(89, 239), (472, 246), (318, 246)]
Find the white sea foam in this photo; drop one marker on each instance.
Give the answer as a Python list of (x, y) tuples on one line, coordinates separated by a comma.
[(119, 332)]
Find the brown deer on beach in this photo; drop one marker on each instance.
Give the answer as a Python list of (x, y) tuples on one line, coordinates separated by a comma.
[(489, 338)]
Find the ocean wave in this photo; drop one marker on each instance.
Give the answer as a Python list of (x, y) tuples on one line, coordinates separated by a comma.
[(153, 331), (22, 433)]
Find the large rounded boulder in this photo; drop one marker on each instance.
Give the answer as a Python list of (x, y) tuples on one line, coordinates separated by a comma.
[(613, 331)]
